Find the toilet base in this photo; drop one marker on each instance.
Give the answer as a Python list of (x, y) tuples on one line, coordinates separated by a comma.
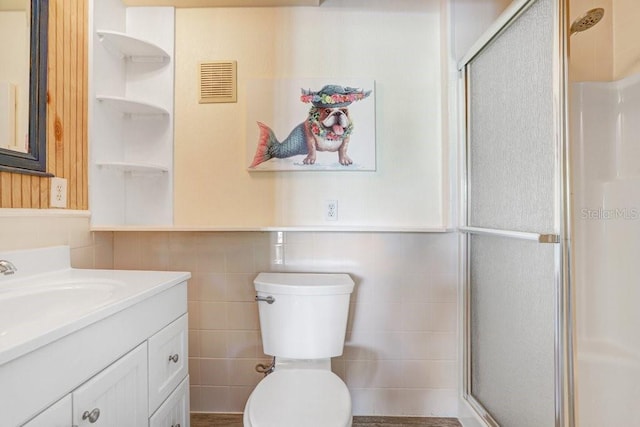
[(299, 397)]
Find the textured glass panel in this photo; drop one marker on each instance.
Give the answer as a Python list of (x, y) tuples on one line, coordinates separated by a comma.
[(512, 154), (512, 329)]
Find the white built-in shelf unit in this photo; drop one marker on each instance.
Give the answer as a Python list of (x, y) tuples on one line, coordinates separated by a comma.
[(131, 92)]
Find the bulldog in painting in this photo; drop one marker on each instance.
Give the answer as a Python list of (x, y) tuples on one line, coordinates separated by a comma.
[(327, 128)]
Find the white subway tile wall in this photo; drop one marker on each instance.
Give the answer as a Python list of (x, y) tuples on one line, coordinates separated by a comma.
[(400, 355)]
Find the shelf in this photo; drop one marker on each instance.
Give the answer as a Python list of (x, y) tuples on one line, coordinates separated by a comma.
[(130, 106), (222, 3), (309, 228), (136, 168), (132, 48)]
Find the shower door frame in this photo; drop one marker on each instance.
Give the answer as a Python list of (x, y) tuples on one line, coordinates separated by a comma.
[(564, 398)]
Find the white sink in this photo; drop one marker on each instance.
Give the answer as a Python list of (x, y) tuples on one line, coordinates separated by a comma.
[(69, 288), (27, 307), (46, 299)]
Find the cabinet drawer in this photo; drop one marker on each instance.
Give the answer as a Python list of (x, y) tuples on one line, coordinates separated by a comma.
[(174, 412), (168, 361), (117, 396)]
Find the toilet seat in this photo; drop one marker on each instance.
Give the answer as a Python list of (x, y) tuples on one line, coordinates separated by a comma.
[(299, 397)]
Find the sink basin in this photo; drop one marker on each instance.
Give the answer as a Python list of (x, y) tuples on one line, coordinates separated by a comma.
[(91, 285), (33, 306), (46, 301)]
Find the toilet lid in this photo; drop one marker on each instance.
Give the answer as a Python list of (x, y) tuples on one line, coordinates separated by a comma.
[(300, 397)]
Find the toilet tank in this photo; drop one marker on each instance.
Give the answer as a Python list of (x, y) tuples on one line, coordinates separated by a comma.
[(308, 316)]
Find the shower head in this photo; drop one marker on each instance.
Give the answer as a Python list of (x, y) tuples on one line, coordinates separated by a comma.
[(587, 20)]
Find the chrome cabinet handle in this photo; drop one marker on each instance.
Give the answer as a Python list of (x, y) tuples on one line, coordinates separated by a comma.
[(268, 300), (175, 425), (174, 358), (92, 416)]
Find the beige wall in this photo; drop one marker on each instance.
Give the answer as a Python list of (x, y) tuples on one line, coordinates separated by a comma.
[(610, 50), (591, 55), (401, 351), (626, 36), (397, 44), (30, 228)]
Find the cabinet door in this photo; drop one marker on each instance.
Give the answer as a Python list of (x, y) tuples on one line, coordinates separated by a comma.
[(168, 361), (117, 396), (56, 415), (174, 412)]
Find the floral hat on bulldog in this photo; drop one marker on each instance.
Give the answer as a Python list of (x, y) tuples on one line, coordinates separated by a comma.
[(333, 96)]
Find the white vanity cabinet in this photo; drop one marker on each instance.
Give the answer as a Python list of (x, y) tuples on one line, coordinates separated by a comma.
[(130, 366), (147, 386)]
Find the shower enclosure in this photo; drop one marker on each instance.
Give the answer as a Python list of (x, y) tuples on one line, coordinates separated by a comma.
[(515, 222), (605, 158), (550, 219)]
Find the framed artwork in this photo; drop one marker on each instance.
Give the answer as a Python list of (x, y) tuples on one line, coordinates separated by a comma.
[(311, 125)]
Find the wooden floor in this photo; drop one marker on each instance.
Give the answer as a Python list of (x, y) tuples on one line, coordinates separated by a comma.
[(235, 420)]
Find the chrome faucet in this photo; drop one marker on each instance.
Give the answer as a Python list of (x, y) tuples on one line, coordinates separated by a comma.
[(6, 267)]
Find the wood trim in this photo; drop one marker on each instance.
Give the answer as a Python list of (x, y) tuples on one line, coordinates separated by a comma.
[(83, 176)]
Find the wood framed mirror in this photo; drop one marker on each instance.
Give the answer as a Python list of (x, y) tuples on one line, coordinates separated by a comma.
[(23, 139)]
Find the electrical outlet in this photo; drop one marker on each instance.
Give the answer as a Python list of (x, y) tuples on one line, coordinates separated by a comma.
[(58, 193), (331, 210)]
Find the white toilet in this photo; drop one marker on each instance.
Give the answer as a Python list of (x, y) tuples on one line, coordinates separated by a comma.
[(303, 320)]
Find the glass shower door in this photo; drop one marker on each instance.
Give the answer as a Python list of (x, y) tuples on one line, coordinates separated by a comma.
[(514, 254)]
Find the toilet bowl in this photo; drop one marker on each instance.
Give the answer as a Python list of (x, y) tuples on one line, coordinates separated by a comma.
[(303, 319), (299, 398)]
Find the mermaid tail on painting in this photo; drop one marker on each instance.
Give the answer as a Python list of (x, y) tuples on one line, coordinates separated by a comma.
[(269, 146)]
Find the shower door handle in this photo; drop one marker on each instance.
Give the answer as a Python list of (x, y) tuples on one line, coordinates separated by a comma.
[(523, 235)]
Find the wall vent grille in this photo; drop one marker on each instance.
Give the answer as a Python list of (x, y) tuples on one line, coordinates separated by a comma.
[(218, 81)]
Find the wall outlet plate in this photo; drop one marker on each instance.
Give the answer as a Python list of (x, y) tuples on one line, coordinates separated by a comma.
[(58, 198), (331, 210)]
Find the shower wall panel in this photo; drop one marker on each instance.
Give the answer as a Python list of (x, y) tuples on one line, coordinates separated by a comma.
[(606, 197)]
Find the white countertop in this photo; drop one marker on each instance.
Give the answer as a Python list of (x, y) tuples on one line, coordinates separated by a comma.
[(46, 299)]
